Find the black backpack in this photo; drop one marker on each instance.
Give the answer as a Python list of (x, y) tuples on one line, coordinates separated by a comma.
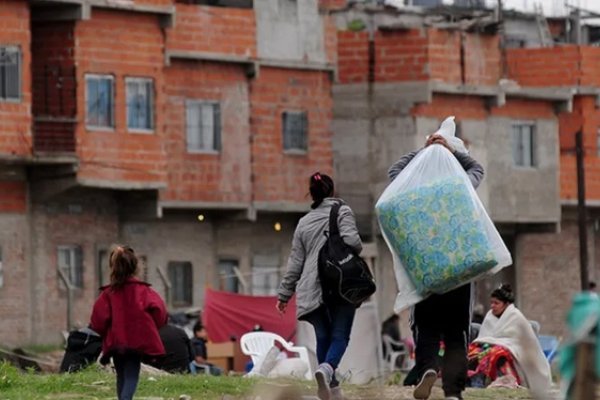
[(344, 276)]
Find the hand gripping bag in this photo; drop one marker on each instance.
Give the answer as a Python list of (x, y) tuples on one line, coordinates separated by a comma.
[(436, 227)]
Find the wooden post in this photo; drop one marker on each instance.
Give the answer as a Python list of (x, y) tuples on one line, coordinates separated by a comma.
[(584, 387), (582, 213)]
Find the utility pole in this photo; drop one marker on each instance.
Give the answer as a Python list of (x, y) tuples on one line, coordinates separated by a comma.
[(582, 212)]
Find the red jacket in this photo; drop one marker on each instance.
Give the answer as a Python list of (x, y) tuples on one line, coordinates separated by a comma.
[(128, 319)]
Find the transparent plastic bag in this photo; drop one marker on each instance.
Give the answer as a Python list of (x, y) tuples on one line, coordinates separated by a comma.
[(436, 227)]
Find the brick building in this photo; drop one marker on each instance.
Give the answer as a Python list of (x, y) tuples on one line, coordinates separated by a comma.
[(401, 72), (182, 129)]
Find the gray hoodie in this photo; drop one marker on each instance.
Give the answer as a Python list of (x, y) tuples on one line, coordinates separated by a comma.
[(302, 275)]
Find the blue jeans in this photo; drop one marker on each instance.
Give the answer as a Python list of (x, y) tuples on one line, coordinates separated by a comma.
[(332, 323), (213, 370), (128, 374)]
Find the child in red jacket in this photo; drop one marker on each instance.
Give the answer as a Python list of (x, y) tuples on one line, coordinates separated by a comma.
[(127, 315)]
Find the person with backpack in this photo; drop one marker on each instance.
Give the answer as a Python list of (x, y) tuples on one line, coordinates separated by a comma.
[(331, 317), (127, 315), (442, 317)]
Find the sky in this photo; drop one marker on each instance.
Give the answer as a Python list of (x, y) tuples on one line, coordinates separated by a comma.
[(551, 7)]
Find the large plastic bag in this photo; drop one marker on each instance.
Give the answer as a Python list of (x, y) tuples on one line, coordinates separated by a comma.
[(436, 227)]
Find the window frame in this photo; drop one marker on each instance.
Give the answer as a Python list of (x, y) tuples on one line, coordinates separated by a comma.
[(19, 52), (137, 80), (223, 280), (190, 282), (73, 248), (295, 150), (217, 141), (100, 128), (532, 144)]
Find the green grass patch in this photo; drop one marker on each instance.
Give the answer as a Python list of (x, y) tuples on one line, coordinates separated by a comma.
[(96, 383)]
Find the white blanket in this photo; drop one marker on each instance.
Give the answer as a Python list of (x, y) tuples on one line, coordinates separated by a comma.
[(514, 332)]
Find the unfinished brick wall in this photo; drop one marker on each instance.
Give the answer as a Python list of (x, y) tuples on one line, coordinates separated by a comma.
[(13, 197), (353, 56), (54, 86), (585, 117), (482, 61), (281, 177), (223, 30), (401, 55), (443, 48), (15, 292), (442, 105), (67, 221), (219, 176), (114, 43), (550, 66), (15, 117)]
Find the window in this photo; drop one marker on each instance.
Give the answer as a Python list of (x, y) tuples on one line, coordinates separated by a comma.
[(265, 275), (140, 104), (523, 145), (203, 126), (70, 261), (295, 131), (99, 101), (10, 73), (103, 269), (180, 275), (228, 280)]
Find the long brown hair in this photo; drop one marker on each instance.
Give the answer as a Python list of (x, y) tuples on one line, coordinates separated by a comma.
[(123, 265)]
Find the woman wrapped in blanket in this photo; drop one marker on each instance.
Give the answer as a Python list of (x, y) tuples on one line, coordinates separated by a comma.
[(508, 347)]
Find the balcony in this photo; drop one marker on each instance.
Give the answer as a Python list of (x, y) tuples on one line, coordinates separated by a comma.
[(54, 110)]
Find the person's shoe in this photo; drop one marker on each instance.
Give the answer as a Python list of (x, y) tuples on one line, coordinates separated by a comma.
[(453, 398), (423, 389), (336, 393), (323, 376)]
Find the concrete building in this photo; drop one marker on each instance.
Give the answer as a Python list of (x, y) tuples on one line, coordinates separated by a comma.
[(400, 77), (182, 129)]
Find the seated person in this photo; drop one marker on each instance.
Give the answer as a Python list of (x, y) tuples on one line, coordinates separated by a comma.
[(178, 350), (200, 362), (507, 345)]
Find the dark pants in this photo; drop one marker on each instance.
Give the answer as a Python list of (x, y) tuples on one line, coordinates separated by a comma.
[(332, 323), (128, 374), (444, 317)]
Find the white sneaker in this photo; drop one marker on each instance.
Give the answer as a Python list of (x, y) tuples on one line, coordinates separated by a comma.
[(423, 389), (323, 376), (452, 398)]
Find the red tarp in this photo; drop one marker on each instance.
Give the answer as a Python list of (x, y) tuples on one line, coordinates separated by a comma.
[(227, 315)]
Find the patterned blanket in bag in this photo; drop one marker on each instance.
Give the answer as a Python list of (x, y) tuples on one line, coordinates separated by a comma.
[(437, 234)]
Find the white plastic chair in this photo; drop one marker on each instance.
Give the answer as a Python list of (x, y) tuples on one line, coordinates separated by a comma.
[(257, 345), (391, 355)]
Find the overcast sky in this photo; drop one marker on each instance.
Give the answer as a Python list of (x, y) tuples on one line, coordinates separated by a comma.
[(551, 7)]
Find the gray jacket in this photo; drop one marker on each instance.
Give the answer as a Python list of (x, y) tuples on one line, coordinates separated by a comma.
[(473, 169), (302, 275)]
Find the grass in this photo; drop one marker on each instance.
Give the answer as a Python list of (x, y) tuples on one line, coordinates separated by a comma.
[(95, 383)]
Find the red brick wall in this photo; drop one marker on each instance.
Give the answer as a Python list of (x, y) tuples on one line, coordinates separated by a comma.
[(482, 59), (330, 32), (552, 66), (13, 197), (401, 55), (590, 66), (525, 109), (15, 118), (463, 107), (353, 56), (332, 4), (586, 117), (156, 3), (277, 176), (214, 30), (224, 176), (444, 55), (113, 42)]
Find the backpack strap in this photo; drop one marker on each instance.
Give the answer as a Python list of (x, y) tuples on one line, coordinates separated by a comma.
[(333, 219)]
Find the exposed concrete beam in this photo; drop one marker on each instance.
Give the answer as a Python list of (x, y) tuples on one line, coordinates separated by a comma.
[(39, 159), (301, 65), (280, 206), (252, 66), (120, 185), (203, 205)]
